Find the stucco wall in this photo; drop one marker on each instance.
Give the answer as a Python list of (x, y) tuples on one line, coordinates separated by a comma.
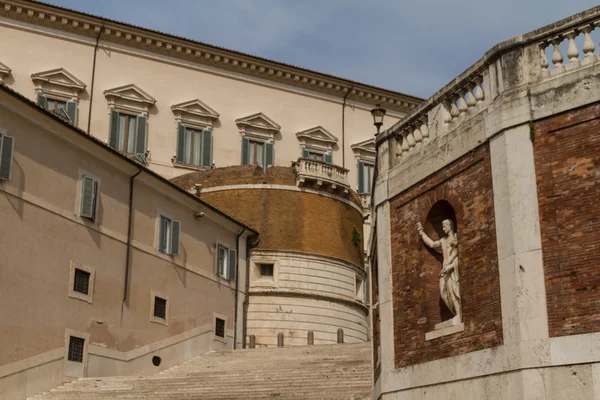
[(42, 234)]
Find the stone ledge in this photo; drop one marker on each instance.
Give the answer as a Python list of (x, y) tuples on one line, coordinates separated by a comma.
[(445, 331)]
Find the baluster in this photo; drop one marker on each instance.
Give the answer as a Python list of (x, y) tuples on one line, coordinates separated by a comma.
[(470, 97), (424, 130), (588, 46), (462, 104), (454, 111), (399, 150), (418, 137), (445, 107), (405, 146), (544, 60), (572, 52), (411, 140), (479, 93), (557, 57)]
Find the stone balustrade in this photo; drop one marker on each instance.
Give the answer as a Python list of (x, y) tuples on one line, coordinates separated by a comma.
[(505, 71), (321, 175)]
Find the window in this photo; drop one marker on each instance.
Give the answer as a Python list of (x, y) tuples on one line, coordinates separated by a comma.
[(160, 307), (58, 90), (76, 347), (7, 146), (194, 147), (220, 327), (313, 155), (81, 282), (226, 262), (128, 132), (266, 269), (259, 153), (168, 235), (89, 189), (365, 177)]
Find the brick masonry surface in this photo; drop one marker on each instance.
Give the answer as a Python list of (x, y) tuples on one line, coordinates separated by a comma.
[(567, 163), (466, 185)]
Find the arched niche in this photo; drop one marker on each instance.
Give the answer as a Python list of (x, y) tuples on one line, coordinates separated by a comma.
[(436, 311)]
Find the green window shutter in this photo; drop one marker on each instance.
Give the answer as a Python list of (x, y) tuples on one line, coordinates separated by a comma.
[(180, 143), (42, 100), (328, 158), (175, 234), (304, 153), (142, 126), (113, 136), (245, 151), (269, 155), (7, 147), (232, 261), (87, 208), (206, 148), (361, 177), (72, 110)]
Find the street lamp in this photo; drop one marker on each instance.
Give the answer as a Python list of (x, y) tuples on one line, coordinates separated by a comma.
[(378, 113)]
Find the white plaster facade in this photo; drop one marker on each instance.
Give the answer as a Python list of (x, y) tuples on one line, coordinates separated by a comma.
[(494, 100)]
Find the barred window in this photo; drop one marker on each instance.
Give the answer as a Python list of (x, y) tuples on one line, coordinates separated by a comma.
[(160, 307), (76, 345), (220, 328), (81, 282)]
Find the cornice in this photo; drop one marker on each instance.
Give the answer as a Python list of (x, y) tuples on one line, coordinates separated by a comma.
[(161, 43)]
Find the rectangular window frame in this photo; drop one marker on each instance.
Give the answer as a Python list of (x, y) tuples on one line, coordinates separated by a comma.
[(89, 297), (222, 261), (157, 319), (367, 170), (75, 369), (123, 137), (225, 319), (168, 235), (6, 177)]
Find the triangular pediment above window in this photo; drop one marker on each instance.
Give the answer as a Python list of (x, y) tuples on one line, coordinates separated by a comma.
[(4, 70), (58, 77), (365, 150), (195, 107), (258, 121), (131, 93), (317, 134)]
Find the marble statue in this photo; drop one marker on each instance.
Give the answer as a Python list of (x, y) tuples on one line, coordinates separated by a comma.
[(449, 283)]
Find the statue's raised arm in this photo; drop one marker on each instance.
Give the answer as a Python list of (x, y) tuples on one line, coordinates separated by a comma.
[(428, 241)]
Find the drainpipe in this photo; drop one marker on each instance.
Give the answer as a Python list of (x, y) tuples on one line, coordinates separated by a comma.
[(129, 223), (237, 279), (343, 127), (93, 80), (247, 299)]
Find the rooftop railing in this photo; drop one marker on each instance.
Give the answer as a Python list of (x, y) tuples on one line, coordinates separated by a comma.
[(321, 175)]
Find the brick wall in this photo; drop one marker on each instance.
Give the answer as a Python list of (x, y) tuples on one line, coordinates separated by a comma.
[(297, 221), (466, 186), (567, 162)]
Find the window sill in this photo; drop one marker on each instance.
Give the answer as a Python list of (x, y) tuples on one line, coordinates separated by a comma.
[(158, 320)]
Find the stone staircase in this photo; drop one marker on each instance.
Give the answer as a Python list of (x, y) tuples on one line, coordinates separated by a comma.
[(333, 372)]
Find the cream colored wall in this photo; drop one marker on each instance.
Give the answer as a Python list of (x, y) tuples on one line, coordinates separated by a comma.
[(41, 235), (307, 292), (172, 81)]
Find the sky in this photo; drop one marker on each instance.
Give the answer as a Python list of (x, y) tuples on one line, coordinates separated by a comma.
[(415, 47)]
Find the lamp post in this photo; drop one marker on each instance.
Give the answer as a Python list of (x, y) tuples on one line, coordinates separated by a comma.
[(378, 113)]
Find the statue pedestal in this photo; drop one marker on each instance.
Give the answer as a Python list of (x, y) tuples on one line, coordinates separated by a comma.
[(446, 328)]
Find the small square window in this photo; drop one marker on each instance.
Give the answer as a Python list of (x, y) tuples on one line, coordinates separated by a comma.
[(81, 282), (160, 307), (266, 269), (220, 327), (76, 345)]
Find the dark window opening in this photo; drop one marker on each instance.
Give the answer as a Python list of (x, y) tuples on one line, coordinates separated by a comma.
[(220, 328), (76, 349), (160, 307), (81, 282), (266, 269), (156, 360)]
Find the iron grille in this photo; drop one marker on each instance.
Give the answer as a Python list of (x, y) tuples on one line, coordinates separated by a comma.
[(81, 282), (160, 307), (220, 328), (76, 349), (266, 269)]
